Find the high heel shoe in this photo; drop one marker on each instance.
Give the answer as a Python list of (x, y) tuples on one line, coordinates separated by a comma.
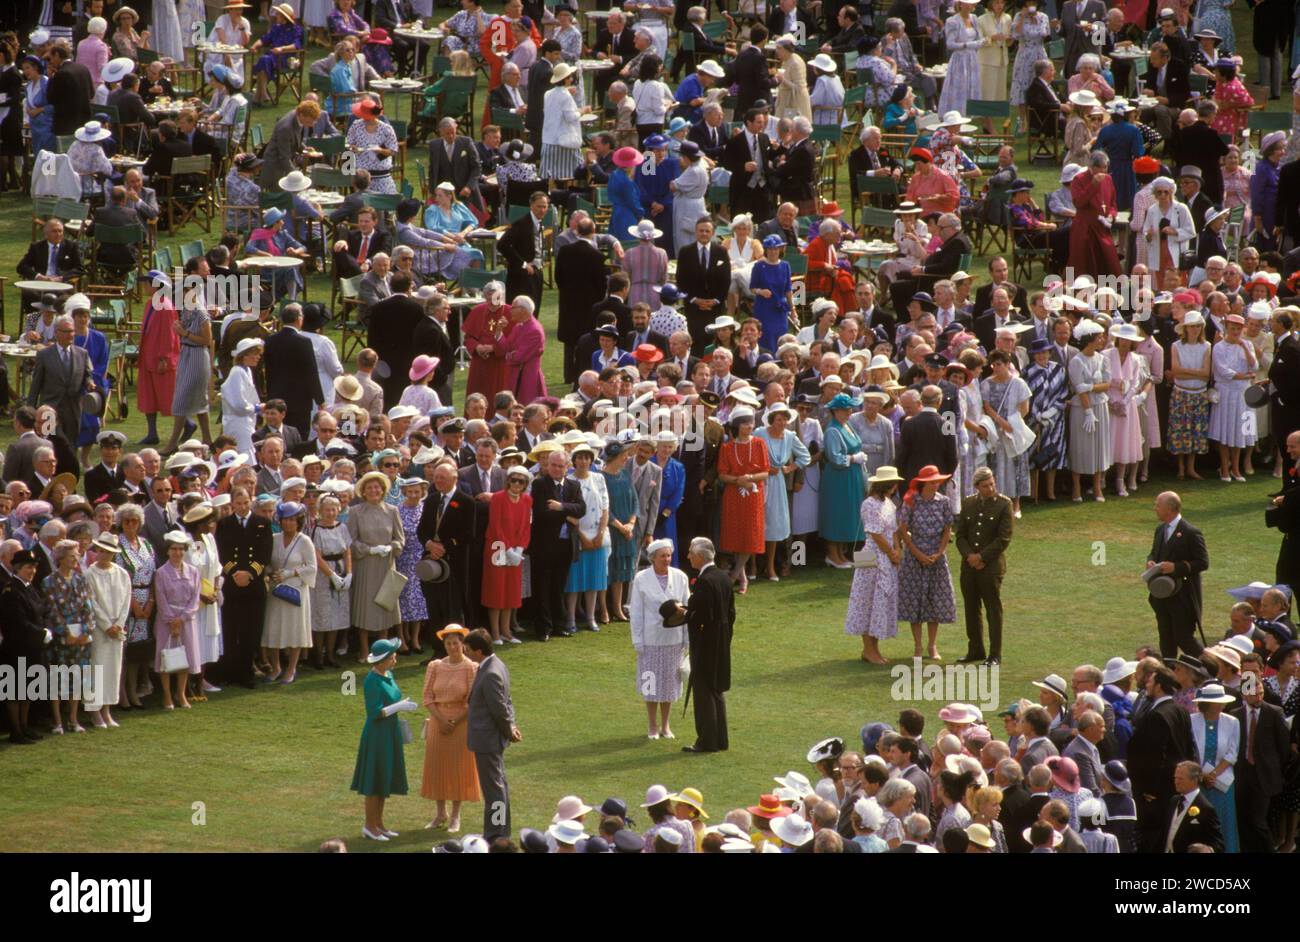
[(366, 832), (453, 827)]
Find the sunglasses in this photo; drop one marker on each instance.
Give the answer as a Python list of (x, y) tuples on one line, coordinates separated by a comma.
[(391, 464)]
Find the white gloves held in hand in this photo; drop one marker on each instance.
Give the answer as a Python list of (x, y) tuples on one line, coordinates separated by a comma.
[(381, 550), (1089, 421)]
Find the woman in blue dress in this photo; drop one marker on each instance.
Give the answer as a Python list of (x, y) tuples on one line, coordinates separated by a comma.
[(1214, 15), (452, 218), (900, 113), (275, 45), (410, 603), (624, 196), (1218, 739), (1050, 390), (673, 489), (785, 453), (963, 40), (769, 280), (381, 766), (96, 347), (1123, 144), (40, 115), (617, 472), (842, 483), (342, 82)]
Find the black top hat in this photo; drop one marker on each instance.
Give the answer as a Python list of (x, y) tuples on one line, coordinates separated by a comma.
[(672, 613)]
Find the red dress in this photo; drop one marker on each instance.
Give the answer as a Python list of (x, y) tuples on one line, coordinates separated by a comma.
[(509, 524), (486, 325), (159, 347), (1092, 250), (742, 517)]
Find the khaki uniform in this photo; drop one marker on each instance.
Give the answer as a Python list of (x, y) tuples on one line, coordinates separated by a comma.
[(983, 526)]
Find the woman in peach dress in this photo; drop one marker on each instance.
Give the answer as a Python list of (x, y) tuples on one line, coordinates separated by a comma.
[(449, 772)]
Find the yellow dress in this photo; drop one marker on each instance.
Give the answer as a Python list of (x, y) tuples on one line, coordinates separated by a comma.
[(792, 98), (993, 57)]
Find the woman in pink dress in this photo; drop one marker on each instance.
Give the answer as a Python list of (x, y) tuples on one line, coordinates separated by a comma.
[(1154, 354), (1130, 387), (485, 331), (176, 589), (523, 350), (1092, 250), (160, 348), (509, 522)]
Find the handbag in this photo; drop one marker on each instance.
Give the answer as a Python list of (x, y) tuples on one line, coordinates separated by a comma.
[(405, 727), (865, 559), (684, 667), (388, 594), (175, 660), (287, 593)]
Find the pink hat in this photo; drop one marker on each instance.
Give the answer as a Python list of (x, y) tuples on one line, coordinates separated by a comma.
[(627, 157), (1065, 773), (422, 367)]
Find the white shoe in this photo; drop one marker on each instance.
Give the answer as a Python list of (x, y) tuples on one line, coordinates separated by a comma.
[(341, 650), (667, 735), (652, 736), (513, 641), (365, 832), (498, 642), (1239, 479), (210, 688), (388, 833), (114, 723)]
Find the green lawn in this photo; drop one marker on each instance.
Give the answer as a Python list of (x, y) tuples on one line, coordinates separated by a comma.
[(271, 768)]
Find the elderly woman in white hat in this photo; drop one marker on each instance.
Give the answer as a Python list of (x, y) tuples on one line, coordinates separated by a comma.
[(827, 93), (659, 647), (239, 397), (177, 586), (1090, 443), (86, 156), (1167, 232), (589, 571), (1189, 404), (109, 587)]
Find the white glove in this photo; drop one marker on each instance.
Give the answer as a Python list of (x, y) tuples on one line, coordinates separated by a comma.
[(859, 458), (1048, 416), (347, 582), (406, 705), (381, 550), (1089, 421), (336, 581), (1140, 400)]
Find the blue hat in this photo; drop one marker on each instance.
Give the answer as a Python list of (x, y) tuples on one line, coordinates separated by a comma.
[(533, 841), (842, 401), (1116, 772), (627, 841), (612, 450), (1039, 346), (272, 216), (607, 330), (871, 734), (159, 278), (773, 241), (221, 73), (290, 508), (669, 294), (655, 142), (382, 649), (926, 301), (677, 124), (898, 94)]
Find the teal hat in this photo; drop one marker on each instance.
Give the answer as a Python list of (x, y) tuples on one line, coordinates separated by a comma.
[(382, 649), (268, 499), (677, 124), (379, 456), (272, 216), (842, 401)]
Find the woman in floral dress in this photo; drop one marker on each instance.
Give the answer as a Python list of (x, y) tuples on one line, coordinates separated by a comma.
[(924, 580), (138, 560), (71, 619), (1189, 404), (873, 600), (411, 602), (1030, 30), (963, 41), (1233, 99), (331, 602)]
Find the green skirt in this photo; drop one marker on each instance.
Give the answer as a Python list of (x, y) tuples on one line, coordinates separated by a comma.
[(381, 765)]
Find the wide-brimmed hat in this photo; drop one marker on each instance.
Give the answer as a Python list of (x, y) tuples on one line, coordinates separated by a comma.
[(117, 69), (1054, 683), (359, 489), (295, 182), (1065, 773), (348, 387), (956, 712), (625, 157), (107, 542), (381, 650), (202, 511), (768, 807), (979, 835), (693, 798), (826, 749), (711, 68), (367, 108), (823, 63), (68, 481), (1116, 773), (287, 12), (1189, 663), (378, 36), (885, 474), (926, 301), (1213, 693), (422, 366), (724, 320), (248, 343), (1117, 669), (561, 72), (645, 229), (793, 830), (92, 131), (517, 150), (1190, 319), (124, 11)]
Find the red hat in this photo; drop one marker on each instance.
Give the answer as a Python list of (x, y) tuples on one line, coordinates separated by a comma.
[(920, 153), (1188, 297), (1146, 165), (378, 37), (648, 353), (831, 209), (769, 807), (1262, 279), (367, 108)]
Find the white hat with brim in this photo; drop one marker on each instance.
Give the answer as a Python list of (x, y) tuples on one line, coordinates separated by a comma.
[(1213, 693), (566, 832), (1214, 214), (1056, 836), (885, 474), (295, 182), (91, 132), (1070, 171), (726, 320), (177, 538), (248, 343), (711, 68), (644, 229), (117, 69), (793, 830), (1117, 669), (561, 72), (1083, 98), (1053, 683), (180, 461), (823, 62), (1190, 319)]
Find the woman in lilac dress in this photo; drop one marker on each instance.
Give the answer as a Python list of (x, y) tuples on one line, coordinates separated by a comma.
[(963, 39), (873, 600), (411, 602), (176, 586), (924, 580)]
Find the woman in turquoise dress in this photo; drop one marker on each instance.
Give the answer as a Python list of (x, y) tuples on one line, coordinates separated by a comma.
[(622, 525), (381, 765), (769, 280), (452, 218), (842, 486), (624, 197), (785, 453), (1218, 739), (342, 82), (673, 490)]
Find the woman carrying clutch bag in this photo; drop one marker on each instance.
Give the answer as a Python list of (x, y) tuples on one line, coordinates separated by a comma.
[(288, 609)]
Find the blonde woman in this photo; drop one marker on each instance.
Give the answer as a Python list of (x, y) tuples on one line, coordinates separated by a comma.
[(743, 250), (995, 26)]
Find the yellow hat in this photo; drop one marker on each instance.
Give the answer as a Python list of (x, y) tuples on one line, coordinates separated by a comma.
[(692, 797)]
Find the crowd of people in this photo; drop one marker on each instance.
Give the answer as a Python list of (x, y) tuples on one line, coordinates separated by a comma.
[(720, 414)]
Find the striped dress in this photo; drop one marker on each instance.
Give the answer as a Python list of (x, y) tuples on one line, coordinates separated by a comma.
[(193, 369)]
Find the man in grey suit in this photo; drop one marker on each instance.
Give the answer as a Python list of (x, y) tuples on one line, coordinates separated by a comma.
[(286, 143), (18, 464), (160, 516), (1037, 747), (453, 159), (1083, 749), (491, 727), (61, 375), (648, 483), (1077, 20)]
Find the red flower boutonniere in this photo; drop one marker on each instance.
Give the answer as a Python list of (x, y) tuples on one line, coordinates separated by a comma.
[(1291, 472), (453, 504), (693, 581)]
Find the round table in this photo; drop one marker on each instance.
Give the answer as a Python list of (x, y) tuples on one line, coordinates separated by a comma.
[(323, 198), (24, 356), (599, 18), (41, 287), (271, 261), (585, 69), (867, 250), (399, 87)]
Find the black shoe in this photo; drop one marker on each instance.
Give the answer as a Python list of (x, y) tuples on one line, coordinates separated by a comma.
[(971, 659), (993, 660), (149, 440), (543, 637), (568, 632), (32, 735), (696, 750)]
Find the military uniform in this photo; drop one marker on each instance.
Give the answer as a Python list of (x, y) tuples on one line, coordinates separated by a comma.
[(984, 527), (242, 547)]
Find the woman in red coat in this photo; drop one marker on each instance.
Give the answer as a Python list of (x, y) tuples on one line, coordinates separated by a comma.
[(160, 348), (486, 327), (509, 522), (826, 276), (743, 470), (1092, 250)]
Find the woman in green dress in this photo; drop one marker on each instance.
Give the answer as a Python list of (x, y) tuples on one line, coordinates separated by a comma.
[(622, 524), (381, 766), (842, 485)]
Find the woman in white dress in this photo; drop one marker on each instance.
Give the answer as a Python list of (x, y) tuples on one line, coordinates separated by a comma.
[(165, 31), (744, 250), (110, 600), (827, 94), (201, 521), (230, 29), (804, 506), (239, 395), (293, 564), (963, 41), (659, 649), (1089, 374), (1232, 425), (1259, 336), (689, 188)]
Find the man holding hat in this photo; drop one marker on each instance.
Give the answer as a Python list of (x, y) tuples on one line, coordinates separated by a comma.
[(106, 475), (710, 617), (1193, 186), (1178, 551), (1162, 738)]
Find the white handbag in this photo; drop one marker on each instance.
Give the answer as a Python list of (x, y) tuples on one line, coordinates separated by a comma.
[(175, 660), (388, 594), (865, 559)]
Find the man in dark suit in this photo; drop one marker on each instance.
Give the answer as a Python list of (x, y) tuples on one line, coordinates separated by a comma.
[(70, 90), (200, 141), (703, 279), (523, 249), (998, 315), (749, 72), (553, 543), (454, 159), (785, 16), (539, 83), (1007, 775), (1190, 818), (389, 333), (431, 338), (51, 259), (1264, 753), (291, 373), (941, 263), (748, 156), (710, 133), (60, 377), (924, 440), (616, 43), (490, 728), (446, 531), (1178, 551), (1168, 81), (107, 475), (710, 617), (797, 174), (1162, 737), (998, 275), (273, 425), (244, 546), (1077, 20), (131, 110), (390, 14), (352, 254), (581, 281), (285, 147), (117, 257), (1192, 194), (168, 146), (642, 334), (616, 302), (983, 534)]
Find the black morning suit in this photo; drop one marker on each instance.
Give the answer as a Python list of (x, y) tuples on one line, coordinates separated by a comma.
[(1178, 616), (1162, 737), (99, 481), (710, 618), (519, 247), (553, 544), (697, 282), (453, 526), (291, 375), (242, 548), (1286, 519), (1258, 774)]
